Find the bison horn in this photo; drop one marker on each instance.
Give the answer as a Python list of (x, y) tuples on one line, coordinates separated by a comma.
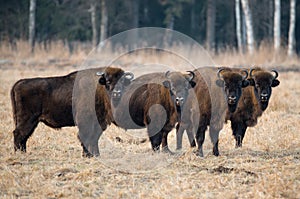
[(246, 74), (191, 74), (167, 74), (276, 73), (100, 73), (219, 73), (129, 75), (251, 71)]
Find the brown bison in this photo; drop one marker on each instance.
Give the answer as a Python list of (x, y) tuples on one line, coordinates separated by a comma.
[(152, 101), (253, 102), (65, 101), (217, 90)]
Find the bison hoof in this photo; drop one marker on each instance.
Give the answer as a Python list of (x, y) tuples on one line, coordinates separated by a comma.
[(167, 150)]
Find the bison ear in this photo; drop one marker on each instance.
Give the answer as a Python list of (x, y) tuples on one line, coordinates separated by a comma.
[(192, 83), (220, 83), (251, 82), (245, 83), (167, 84), (102, 80), (275, 83), (127, 82)]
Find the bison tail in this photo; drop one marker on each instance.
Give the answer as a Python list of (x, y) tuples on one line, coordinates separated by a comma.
[(13, 103)]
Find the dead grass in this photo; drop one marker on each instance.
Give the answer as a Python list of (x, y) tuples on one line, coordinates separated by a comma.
[(268, 165)]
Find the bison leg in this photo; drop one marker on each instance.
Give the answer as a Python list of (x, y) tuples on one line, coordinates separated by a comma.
[(214, 137), (179, 134), (238, 131), (89, 135), (22, 132), (156, 140), (200, 136)]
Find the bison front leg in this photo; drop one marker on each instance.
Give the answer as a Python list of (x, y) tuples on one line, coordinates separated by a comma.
[(238, 131), (179, 134), (89, 136), (200, 136), (156, 140), (214, 137)]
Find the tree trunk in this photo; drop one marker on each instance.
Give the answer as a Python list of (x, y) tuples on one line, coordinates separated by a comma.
[(193, 17), (238, 25), (210, 24), (291, 45), (32, 8), (134, 16), (104, 22), (271, 19), (94, 24), (249, 26), (277, 26)]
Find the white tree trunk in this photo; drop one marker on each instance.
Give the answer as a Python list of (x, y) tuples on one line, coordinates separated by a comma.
[(238, 25), (94, 24), (249, 26), (104, 22), (291, 45), (277, 25), (32, 8)]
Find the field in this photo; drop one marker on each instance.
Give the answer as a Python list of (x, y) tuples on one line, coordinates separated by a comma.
[(268, 165)]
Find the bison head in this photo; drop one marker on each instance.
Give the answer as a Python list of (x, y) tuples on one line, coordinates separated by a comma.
[(263, 81), (232, 82), (115, 81), (179, 84)]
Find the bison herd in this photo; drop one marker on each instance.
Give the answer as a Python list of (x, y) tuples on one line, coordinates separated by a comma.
[(93, 99)]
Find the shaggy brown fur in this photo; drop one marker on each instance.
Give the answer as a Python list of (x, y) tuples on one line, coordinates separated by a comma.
[(49, 100), (252, 103), (152, 105), (212, 94)]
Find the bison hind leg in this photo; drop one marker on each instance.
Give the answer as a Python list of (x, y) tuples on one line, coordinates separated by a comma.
[(21, 135)]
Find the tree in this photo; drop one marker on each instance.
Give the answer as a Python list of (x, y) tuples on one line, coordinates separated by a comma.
[(210, 24), (249, 26), (277, 25), (32, 9), (92, 10), (104, 22), (238, 25), (291, 44)]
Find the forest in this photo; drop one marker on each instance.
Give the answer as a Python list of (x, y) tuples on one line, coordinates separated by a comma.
[(216, 24)]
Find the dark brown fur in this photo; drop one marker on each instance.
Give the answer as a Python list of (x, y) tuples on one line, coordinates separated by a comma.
[(250, 107), (210, 108), (151, 106), (49, 100)]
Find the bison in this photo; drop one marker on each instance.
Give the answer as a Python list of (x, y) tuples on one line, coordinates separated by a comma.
[(217, 90), (153, 101), (254, 101), (65, 101)]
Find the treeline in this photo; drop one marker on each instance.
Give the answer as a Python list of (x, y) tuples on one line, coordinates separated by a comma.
[(212, 23)]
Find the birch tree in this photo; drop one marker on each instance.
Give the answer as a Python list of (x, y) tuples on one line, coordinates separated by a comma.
[(210, 24), (291, 45), (93, 21), (277, 9), (32, 9), (249, 26), (104, 22), (238, 24)]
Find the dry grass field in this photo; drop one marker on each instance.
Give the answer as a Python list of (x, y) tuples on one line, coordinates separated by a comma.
[(268, 165)]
